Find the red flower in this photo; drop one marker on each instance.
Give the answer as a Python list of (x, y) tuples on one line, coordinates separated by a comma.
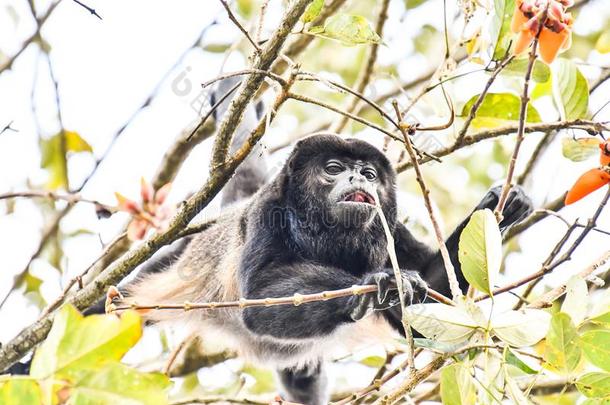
[(152, 212)]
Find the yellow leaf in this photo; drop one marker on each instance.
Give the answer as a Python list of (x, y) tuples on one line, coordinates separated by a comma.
[(76, 343)]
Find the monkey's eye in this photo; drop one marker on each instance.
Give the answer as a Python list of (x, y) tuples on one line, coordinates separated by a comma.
[(333, 168), (369, 173)]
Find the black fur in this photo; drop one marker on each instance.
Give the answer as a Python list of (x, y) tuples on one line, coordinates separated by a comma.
[(290, 248)]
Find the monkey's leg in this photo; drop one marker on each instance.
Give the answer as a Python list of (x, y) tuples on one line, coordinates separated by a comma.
[(305, 386)]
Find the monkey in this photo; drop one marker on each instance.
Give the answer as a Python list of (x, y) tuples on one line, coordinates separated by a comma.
[(313, 228)]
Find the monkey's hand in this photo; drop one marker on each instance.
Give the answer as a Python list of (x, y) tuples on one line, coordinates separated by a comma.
[(414, 289), (518, 205)]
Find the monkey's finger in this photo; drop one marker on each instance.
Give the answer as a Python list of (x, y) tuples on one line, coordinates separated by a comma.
[(418, 286), (362, 307), (383, 282)]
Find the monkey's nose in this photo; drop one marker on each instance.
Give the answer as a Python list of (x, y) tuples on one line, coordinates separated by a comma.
[(351, 179)]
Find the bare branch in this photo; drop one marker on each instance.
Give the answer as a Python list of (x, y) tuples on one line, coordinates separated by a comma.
[(252, 83), (586, 125), (453, 282), (32, 38), (366, 72), (241, 28), (525, 98), (479, 101)]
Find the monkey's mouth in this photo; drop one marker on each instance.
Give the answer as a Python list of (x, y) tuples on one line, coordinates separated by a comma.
[(359, 196)]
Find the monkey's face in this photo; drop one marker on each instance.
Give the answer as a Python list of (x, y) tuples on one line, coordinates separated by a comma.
[(351, 187), (335, 182)]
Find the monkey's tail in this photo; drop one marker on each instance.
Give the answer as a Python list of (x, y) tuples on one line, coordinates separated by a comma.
[(251, 174)]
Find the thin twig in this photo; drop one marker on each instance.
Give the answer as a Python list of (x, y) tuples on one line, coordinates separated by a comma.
[(55, 304), (477, 104), (252, 83), (551, 264), (32, 38), (70, 198), (241, 28), (8, 127), (272, 75), (586, 125), (310, 100), (296, 300), (538, 151), (525, 98), (390, 247), (453, 282), (89, 9), (366, 72), (548, 298)]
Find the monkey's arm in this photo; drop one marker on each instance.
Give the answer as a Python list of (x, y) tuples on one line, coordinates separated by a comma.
[(309, 320), (416, 255)]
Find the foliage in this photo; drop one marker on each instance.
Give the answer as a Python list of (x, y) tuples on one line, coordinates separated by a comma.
[(79, 364)]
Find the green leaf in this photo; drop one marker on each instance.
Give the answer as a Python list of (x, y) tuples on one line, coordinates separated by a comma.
[(500, 29), (20, 391), (55, 162), (32, 283), (596, 346), (441, 322), (543, 89), (480, 250), (521, 328), (76, 343), (577, 299), (347, 29), (603, 318), (410, 4), (578, 150), (373, 361), (512, 359), (312, 11), (457, 387), (216, 47), (603, 42), (541, 72), (594, 385), (436, 346), (116, 384), (245, 7), (498, 108), (570, 89), (562, 351)]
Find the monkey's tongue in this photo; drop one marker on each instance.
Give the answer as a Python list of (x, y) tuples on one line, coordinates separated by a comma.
[(360, 197)]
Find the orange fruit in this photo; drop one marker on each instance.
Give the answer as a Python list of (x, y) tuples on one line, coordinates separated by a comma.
[(518, 19), (550, 43), (590, 181), (524, 39)]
